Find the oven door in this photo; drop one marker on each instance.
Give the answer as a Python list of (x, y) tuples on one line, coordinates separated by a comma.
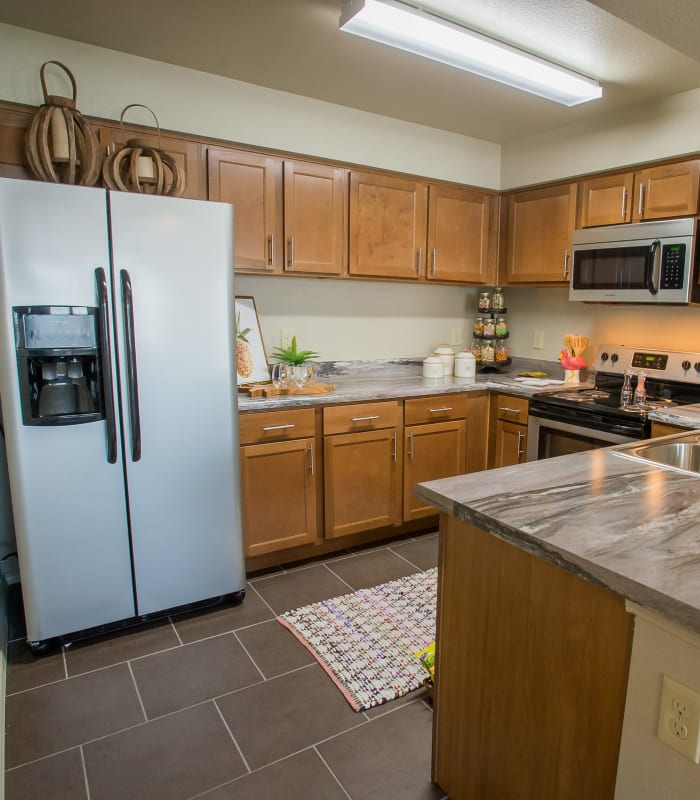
[(547, 438)]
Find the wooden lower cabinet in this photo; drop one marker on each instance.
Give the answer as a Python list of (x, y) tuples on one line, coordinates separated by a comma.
[(662, 429), (511, 444), (532, 667), (362, 481)]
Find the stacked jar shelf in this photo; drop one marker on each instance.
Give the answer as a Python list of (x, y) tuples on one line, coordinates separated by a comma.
[(489, 343)]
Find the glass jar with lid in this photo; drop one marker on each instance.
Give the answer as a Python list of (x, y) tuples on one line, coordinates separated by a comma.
[(501, 352), (501, 327), (498, 302), (489, 327), (476, 348), (484, 301), (479, 326), (488, 351)]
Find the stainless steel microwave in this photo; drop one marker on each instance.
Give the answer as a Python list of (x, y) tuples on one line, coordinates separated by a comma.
[(643, 262)]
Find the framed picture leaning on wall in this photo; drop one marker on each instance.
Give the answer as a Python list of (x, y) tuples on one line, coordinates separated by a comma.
[(251, 359)]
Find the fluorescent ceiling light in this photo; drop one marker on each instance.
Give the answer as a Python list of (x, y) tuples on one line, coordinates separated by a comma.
[(398, 25)]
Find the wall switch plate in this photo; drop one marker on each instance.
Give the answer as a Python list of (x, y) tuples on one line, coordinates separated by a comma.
[(286, 336), (679, 719), (456, 336), (538, 340)]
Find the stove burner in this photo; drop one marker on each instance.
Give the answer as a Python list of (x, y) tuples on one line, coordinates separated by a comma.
[(594, 394)]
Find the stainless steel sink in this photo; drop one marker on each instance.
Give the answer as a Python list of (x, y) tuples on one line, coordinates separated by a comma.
[(680, 452)]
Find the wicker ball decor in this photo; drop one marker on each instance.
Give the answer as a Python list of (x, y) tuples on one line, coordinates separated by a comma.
[(139, 167), (60, 145)]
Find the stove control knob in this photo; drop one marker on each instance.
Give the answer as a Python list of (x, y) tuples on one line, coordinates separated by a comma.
[(686, 365), (603, 357), (697, 366), (613, 358)]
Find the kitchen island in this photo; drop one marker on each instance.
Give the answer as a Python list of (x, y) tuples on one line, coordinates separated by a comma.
[(545, 569)]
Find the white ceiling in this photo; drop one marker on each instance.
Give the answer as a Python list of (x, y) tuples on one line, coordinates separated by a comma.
[(638, 49)]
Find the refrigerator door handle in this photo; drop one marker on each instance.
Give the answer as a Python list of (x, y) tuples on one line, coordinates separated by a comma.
[(131, 374), (106, 359)]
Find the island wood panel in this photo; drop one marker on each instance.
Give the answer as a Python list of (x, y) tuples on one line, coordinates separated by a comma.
[(279, 495), (477, 420), (460, 242), (431, 451), (252, 183), (315, 218), (540, 225), (670, 190), (606, 200), (388, 222), (532, 665)]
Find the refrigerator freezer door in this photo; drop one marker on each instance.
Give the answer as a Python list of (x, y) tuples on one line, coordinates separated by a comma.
[(68, 501), (173, 276)]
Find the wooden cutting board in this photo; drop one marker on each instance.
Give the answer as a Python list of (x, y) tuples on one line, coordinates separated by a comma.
[(268, 390)]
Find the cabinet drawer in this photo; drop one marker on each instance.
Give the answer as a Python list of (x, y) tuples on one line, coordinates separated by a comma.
[(361, 417), (275, 426), (512, 409), (439, 408)]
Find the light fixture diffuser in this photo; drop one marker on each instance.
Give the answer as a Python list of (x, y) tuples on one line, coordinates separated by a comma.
[(398, 25)]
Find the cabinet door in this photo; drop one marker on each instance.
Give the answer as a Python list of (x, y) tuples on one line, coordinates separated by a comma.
[(540, 224), (431, 452), (315, 213), (189, 155), (606, 200), (278, 487), (667, 191), (362, 481), (388, 221), (511, 444), (13, 127), (252, 183), (460, 247)]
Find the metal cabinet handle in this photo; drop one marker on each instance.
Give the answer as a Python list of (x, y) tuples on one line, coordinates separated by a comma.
[(277, 427), (291, 251), (566, 263), (410, 446), (271, 250), (394, 450), (311, 454), (419, 261), (132, 377), (440, 410), (640, 205), (624, 203), (365, 419), (521, 437), (105, 357), (434, 264), (509, 410)]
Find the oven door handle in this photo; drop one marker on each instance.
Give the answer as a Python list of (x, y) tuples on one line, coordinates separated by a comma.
[(650, 266)]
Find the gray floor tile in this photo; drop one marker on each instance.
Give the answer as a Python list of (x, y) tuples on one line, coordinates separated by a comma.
[(301, 777), (286, 714), (192, 673), (43, 721), (299, 588), (202, 624), (171, 758), (26, 671), (371, 569), (274, 649), (107, 650), (58, 777), (422, 552), (389, 758)]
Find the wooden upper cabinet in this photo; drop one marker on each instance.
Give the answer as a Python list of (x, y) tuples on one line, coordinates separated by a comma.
[(388, 221), (461, 235), (252, 183), (666, 191), (540, 224), (670, 190), (13, 126), (188, 154), (315, 214)]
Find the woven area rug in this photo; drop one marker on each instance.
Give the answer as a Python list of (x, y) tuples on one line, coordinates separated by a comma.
[(366, 640)]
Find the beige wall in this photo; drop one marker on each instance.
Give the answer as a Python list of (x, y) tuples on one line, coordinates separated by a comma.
[(648, 769)]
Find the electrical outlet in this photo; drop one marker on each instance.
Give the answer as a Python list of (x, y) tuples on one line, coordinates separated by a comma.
[(538, 340), (286, 336), (456, 336), (679, 719)]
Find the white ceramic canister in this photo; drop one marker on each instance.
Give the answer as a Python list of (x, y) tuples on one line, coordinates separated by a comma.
[(465, 364), (447, 354), (433, 367)]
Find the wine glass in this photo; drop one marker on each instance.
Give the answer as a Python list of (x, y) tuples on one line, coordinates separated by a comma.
[(280, 375), (303, 374)]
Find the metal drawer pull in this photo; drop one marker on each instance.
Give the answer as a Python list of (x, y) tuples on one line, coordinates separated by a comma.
[(509, 410), (640, 206), (440, 410), (410, 446), (566, 263), (278, 427), (434, 260), (419, 261), (365, 419), (271, 250), (291, 251), (624, 202), (394, 451), (311, 453), (521, 452)]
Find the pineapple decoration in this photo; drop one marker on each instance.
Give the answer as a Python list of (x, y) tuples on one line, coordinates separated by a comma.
[(244, 356)]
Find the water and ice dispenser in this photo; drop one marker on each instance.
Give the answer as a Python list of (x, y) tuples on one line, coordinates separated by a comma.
[(58, 360)]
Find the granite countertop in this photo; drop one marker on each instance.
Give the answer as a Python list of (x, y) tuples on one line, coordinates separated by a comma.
[(626, 525)]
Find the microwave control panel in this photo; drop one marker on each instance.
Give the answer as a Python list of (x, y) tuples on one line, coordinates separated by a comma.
[(672, 266)]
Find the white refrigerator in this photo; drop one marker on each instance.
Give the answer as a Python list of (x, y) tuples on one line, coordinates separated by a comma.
[(118, 392)]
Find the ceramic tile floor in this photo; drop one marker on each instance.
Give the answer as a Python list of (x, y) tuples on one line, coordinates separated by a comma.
[(218, 705)]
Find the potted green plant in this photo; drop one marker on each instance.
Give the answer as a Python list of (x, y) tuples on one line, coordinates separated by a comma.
[(298, 370)]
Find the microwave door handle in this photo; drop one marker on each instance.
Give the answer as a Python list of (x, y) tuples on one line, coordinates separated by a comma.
[(650, 265)]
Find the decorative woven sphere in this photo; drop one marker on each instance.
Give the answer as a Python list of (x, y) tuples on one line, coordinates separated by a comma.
[(139, 167), (60, 145)]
